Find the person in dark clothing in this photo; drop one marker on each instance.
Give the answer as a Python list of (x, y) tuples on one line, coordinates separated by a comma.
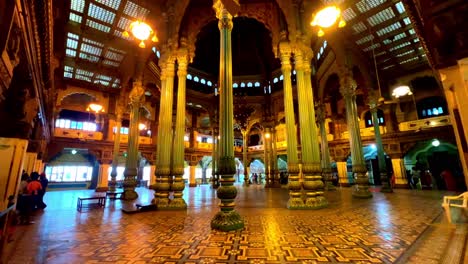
[(44, 182)]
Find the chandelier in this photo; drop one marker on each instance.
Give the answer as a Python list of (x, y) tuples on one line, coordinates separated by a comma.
[(326, 18), (141, 31)]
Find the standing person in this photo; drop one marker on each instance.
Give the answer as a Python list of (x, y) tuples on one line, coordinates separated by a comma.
[(34, 189), (44, 182)]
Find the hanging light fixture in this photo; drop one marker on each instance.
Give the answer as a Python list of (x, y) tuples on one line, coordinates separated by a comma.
[(95, 108), (141, 31), (401, 90), (326, 18)]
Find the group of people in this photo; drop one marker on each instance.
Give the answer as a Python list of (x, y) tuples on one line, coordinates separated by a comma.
[(31, 195), (256, 178)]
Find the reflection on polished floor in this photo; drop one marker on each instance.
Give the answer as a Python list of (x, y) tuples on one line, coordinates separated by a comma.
[(384, 229)]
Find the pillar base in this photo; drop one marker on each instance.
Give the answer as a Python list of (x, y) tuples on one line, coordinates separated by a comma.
[(227, 221), (161, 203), (177, 204), (129, 195), (317, 202), (361, 192), (295, 203), (192, 185)]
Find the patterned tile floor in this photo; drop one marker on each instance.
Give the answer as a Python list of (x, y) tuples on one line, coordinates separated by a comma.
[(377, 230)]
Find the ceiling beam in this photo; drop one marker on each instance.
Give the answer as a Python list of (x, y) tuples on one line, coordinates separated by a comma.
[(93, 67), (378, 26), (105, 38)]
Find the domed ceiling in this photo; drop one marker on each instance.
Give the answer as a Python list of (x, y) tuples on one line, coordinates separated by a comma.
[(252, 52)]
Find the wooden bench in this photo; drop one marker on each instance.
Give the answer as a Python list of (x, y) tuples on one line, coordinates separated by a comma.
[(95, 201), (114, 195)]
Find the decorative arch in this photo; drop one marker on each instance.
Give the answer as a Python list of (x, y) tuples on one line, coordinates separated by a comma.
[(194, 18)]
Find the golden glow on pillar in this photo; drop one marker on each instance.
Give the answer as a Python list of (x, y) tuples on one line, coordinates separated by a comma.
[(326, 18), (141, 31), (267, 135), (141, 126)]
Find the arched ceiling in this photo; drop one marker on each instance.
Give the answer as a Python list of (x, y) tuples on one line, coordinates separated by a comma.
[(251, 49)]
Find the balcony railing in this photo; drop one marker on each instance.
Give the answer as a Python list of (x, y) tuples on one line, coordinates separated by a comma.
[(141, 139), (425, 123), (78, 134)]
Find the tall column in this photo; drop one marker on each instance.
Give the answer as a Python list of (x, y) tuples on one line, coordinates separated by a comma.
[(342, 169), (179, 150), (311, 168), (326, 166), (373, 104), (266, 155), (192, 177), (295, 201), (159, 140), (227, 219), (399, 169), (215, 158), (115, 152), (348, 90), (103, 176), (244, 156), (193, 131), (131, 163), (152, 179), (274, 159), (163, 167)]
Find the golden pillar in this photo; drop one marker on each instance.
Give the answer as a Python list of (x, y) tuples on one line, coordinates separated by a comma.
[(179, 150), (244, 156), (295, 186), (193, 174), (131, 163), (163, 166), (326, 164), (311, 168), (115, 153), (227, 219), (348, 90)]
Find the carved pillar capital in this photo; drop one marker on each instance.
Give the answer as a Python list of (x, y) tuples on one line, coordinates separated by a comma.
[(137, 92), (321, 113), (373, 100), (347, 85), (223, 15), (285, 55)]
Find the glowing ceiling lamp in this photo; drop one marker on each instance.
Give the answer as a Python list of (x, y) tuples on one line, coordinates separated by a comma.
[(401, 90), (141, 126), (141, 31), (326, 18), (95, 108)]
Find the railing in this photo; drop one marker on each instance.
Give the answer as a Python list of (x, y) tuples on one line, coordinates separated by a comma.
[(203, 145), (425, 123), (141, 139), (365, 132), (78, 134)]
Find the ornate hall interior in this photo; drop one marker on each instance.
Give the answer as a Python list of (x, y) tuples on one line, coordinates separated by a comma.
[(234, 131)]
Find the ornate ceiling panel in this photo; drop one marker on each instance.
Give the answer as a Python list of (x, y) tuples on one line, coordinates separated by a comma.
[(93, 54), (382, 28)]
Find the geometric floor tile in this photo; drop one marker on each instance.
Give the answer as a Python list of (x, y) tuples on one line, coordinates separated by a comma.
[(382, 229)]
